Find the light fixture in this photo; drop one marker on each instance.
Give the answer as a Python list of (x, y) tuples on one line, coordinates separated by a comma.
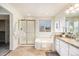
[(71, 8), (73, 11), (67, 11), (77, 9), (76, 5)]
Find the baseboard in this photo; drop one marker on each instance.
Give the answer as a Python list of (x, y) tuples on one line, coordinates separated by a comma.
[(26, 45)]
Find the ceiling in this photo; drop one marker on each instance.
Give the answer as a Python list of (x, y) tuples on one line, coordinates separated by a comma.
[(39, 9)]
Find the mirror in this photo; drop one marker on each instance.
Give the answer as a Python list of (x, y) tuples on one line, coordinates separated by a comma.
[(69, 25), (72, 25)]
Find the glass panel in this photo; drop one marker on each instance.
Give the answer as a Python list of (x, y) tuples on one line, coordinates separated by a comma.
[(30, 33), (22, 31)]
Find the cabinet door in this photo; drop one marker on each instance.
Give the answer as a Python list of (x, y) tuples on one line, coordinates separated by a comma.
[(73, 51), (57, 46), (63, 48)]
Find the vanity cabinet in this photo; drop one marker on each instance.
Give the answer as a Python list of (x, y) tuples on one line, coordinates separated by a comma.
[(73, 51), (63, 48), (66, 49), (57, 47)]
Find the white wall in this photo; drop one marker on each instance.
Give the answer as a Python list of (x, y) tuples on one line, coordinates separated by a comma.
[(14, 17)]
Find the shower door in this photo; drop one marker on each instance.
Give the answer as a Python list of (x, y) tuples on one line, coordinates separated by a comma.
[(27, 32), (30, 32), (22, 32)]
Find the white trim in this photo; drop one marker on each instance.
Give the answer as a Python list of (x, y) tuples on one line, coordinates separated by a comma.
[(4, 14), (26, 45)]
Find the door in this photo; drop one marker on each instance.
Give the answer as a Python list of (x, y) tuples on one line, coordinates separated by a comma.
[(30, 32), (27, 32), (22, 32)]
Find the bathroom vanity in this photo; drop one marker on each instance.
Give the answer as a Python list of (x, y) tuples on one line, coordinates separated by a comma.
[(66, 46)]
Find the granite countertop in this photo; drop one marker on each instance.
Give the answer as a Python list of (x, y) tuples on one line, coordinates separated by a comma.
[(69, 41)]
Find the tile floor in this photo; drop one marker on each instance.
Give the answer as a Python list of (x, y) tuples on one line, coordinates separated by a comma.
[(29, 51)]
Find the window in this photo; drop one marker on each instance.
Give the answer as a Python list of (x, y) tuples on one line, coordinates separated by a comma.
[(45, 25)]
